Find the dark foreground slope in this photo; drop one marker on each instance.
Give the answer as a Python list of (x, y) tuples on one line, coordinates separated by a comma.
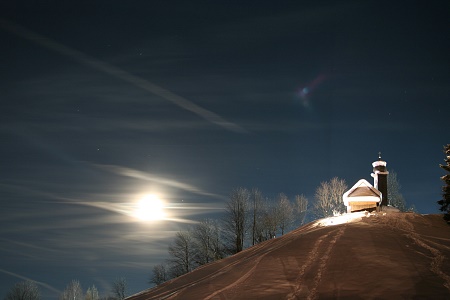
[(381, 256)]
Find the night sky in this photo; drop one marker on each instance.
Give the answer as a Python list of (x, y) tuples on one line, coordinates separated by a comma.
[(103, 102)]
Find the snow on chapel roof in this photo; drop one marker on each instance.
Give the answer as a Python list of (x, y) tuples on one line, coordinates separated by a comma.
[(362, 191)]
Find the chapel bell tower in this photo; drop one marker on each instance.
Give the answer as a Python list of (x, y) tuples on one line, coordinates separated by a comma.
[(379, 175)]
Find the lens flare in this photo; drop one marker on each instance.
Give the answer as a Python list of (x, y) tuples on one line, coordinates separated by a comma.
[(306, 91)]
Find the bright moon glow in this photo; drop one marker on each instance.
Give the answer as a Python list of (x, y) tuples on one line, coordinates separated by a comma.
[(150, 208)]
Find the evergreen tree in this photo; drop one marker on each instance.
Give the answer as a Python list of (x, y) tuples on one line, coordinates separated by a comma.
[(445, 201)]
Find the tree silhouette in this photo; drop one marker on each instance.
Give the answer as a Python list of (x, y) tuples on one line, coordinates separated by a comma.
[(91, 293), (207, 242), (329, 198), (445, 201), (119, 288), (256, 211), (73, 291), (25, 290), (236, 219), (160, 274), (395, 197), (301, 207), (284, 212), (181, 253)]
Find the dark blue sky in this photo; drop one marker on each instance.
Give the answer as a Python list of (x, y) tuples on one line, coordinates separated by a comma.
[(105, 102)]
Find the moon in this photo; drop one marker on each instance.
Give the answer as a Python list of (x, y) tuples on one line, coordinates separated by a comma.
[(150, 208)]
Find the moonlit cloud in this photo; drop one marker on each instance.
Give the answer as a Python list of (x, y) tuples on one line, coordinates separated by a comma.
[(30, 246), (87, 226), (281, 24), (132, 173), (45, 285), (120, 74)]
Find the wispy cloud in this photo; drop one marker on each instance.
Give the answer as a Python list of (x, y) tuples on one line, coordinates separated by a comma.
[(132, 173), (95, 124), (290, 24), (123, 205), (43, 284), (120, 74)]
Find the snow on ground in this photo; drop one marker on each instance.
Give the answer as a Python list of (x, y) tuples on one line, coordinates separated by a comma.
[(342, 219), (383, 255), (353, 217)]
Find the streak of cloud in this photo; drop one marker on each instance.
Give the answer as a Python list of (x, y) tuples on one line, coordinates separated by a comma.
[(132, 173), (124, 211), (120, 74), (45, 285), (27, 245)]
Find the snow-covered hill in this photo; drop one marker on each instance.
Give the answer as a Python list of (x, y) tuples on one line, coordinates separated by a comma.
[(357, 256)]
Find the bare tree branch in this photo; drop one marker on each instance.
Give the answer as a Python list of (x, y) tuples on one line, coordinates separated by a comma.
[(329, 198), (25, 290)]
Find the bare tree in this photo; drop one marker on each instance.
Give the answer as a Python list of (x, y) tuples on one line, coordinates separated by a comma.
[(269, 221), (285, 213), (236, 219), (25, 290), (182, 254), (207, 243), (329, 198), (160, 274), (393, 188), (119, 288), (216, 241), (92, 293), (257, 210), (301, 207), (73, 291)]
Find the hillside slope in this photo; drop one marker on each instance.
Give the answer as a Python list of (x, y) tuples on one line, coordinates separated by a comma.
[(385, 256)]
